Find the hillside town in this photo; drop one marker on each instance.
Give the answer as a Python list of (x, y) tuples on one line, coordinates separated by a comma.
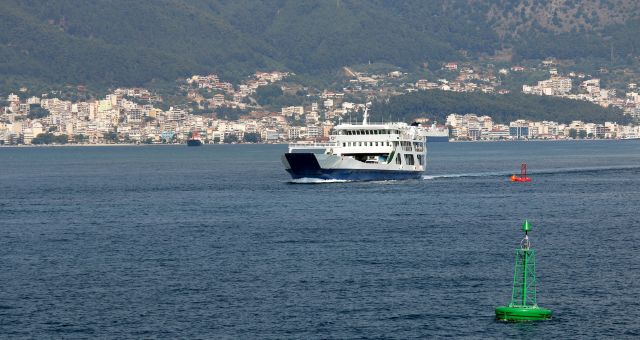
[(222, 112)]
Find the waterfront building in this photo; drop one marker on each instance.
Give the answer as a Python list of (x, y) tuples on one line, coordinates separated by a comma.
[(519, 129)]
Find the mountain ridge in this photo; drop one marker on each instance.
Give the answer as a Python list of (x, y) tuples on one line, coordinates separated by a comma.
[(119, 42)]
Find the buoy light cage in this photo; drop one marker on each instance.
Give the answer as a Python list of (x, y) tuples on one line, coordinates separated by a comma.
[(523, 175), (523, 306)]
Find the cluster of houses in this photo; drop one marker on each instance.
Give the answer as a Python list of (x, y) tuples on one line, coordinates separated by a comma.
[(224, 93), (134, 115), (474, 127), (587, 90), (467, 79), (117, 119), (129, 115)]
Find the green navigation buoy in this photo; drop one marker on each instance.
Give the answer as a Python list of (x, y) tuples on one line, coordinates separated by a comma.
[(523, 306)]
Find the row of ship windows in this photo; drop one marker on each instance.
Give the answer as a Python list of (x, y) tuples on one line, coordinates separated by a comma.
[(406, 146), (367, 132), (408, 159), (344, 144)]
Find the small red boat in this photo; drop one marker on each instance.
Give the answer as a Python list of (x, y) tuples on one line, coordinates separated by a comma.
[(523, 175)]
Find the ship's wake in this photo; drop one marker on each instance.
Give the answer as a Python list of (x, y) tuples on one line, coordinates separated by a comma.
[(534, 172), (476, 174), (317, 181)]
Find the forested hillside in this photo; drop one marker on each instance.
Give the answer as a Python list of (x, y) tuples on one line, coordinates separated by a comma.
[(121, 42), (436, 105)]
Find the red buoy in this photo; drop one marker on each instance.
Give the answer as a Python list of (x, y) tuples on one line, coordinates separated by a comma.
[(523, 175)]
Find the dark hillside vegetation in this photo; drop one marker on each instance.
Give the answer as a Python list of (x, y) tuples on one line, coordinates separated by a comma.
[(121, 42), (436, 105)]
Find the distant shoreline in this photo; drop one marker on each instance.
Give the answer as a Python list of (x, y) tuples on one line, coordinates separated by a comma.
[(539, 140), (119, 144), (75, 145), (180, 144)]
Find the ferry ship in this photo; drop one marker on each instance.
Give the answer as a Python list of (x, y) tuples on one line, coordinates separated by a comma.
[(361, 152), (437, 133), (194, 140)]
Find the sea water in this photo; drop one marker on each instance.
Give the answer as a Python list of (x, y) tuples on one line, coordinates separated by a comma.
[(217, 242)]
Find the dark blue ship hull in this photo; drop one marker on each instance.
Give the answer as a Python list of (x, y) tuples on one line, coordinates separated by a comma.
[(194, 142), (305, 165)]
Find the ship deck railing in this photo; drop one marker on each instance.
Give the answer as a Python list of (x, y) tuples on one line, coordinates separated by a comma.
[(312, 145)]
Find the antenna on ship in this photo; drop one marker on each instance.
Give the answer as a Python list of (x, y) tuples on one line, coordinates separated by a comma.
[(365, 116)]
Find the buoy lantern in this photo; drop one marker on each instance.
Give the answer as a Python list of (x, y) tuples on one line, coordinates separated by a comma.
[(523, 175), (523, 306)]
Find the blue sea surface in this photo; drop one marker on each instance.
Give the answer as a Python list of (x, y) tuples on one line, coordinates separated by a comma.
[(216, 242)]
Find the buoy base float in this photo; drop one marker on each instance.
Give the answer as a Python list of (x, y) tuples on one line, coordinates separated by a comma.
[(522, 313), (515, 178)]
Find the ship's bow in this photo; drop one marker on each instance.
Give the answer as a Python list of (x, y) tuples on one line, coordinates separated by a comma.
[(302, 165)]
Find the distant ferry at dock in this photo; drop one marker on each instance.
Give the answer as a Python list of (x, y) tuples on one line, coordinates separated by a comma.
[(437, 133), (361, 152), (194, 140)]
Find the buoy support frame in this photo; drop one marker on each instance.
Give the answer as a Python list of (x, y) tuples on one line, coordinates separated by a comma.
[(523, 305)]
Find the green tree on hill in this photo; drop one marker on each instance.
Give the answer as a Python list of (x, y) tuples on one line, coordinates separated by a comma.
[(229, 113), (49, 138), (266, 94), (43, 138), (230, 138), (252, 137), (111, 137), (582, 134), (80, 138), (36, 111)]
